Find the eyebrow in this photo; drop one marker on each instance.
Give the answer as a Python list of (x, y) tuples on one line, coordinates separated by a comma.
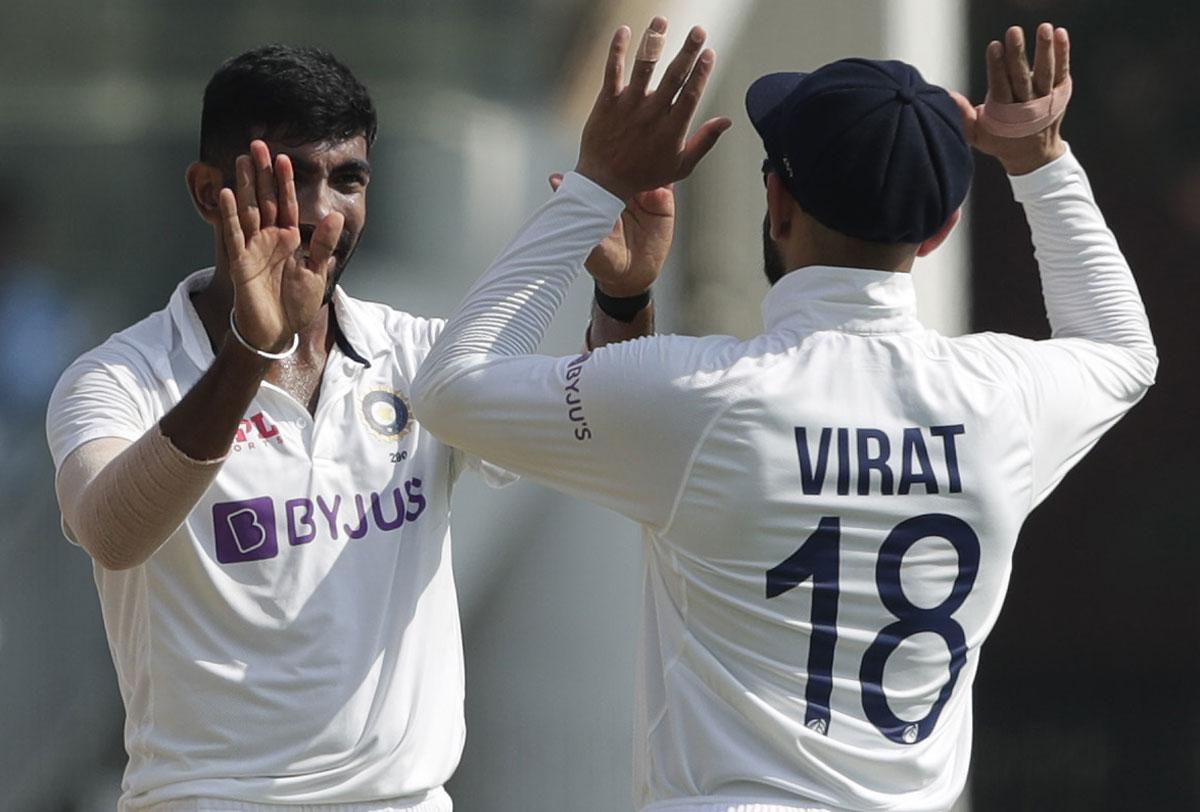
[(353, 164)]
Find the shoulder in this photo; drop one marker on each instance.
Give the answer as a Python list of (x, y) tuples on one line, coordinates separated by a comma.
[(136, 354), (715, 365)]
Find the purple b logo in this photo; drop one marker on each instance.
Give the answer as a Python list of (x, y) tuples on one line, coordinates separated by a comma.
[(245, 531)]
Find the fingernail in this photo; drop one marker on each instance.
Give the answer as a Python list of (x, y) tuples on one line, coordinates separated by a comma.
[(696, 34), (706, 57), (658, 25)]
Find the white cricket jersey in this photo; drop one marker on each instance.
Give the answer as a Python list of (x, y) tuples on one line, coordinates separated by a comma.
[(296, 640), (829, 509)]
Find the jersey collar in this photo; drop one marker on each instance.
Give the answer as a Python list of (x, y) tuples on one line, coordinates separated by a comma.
[(852, 300), (357, 341)]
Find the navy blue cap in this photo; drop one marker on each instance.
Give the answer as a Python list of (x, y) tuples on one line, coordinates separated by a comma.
[(867, 147)]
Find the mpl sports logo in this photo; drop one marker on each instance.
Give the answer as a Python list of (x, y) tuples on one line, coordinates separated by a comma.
[(256, 430)]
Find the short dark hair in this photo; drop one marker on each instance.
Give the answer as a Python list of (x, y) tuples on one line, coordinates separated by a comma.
[(294, 94)]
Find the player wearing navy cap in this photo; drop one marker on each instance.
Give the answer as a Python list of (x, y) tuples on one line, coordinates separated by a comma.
[(830, 508)]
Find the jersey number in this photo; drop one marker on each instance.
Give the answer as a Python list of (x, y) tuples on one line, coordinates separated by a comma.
[(818, 558)]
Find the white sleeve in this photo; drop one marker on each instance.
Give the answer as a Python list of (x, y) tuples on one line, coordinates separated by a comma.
[(99, 395), (608, 426), (1101, 358)]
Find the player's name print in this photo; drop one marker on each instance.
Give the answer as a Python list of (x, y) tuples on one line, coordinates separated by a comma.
[(876, 461), (245, 530)]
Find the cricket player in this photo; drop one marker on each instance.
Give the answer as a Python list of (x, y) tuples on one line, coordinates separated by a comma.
[(269, 524), (830, 508)]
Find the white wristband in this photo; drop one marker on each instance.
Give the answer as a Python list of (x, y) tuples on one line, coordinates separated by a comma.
[(273, 356)]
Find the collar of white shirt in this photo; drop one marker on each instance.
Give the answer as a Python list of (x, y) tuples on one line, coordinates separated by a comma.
[(357, 336), (852, 300)]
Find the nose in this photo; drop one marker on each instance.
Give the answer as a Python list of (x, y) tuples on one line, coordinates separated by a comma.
[(315, 201)]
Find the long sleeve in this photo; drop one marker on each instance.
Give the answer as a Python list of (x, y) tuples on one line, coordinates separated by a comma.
[(606, 426), (1101, 357)]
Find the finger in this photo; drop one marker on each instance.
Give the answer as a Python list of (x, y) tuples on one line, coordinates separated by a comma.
[(1043, 61), (693, 89), (999, 89), (1062, 56), (285, 178), (247, 201), (324, 240), (648, 53), (970, 116), (556, 180), (614, 68), (231, 227), (681, 66), (264, 183), (1017, 65), (704, 140)]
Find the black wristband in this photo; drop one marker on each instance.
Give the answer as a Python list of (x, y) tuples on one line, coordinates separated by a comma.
[(623, 308)]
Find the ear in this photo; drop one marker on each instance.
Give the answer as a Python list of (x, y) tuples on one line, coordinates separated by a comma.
[(780, 207), (204, 182), (933, 242)]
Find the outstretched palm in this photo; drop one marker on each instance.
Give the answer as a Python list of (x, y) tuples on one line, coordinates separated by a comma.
[(277, 292)]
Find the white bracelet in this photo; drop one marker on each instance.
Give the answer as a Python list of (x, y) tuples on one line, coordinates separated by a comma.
[(273, 356)]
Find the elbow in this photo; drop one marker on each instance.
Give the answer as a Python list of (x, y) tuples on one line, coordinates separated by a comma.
[(431, 403), (1144, 367), (440, 395), (112, 556), (113, 546)]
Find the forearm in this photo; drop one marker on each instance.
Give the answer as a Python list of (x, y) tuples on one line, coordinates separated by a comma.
[(507, 312), (203, 424), (1088, 287), (121, 501)]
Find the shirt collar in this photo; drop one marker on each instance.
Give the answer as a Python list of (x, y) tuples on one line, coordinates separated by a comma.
[(853, 300), (358, 343)]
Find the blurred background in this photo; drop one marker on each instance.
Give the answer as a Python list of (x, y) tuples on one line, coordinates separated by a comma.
[(1086, 697)]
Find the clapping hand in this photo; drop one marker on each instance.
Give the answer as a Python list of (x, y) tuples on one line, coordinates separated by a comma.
[(1011, 81), (636, 139), (278, 289)]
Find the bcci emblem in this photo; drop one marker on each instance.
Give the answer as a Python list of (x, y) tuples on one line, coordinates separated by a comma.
[(386, 414)]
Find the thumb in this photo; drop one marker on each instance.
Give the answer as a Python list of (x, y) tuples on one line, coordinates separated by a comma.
[(702, 141), (970, 116), (556, 180)]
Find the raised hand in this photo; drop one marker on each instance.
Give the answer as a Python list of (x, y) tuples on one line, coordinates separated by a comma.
[(636, 139), (1011, 81), (278, 290), (628, 261)]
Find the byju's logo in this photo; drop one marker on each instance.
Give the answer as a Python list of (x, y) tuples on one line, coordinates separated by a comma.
[(245, 530)]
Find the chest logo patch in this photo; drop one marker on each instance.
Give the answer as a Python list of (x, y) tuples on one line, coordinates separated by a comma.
[(386, 413)]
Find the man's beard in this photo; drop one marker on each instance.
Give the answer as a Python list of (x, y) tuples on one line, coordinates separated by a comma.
[(341, 260), (773, 265)]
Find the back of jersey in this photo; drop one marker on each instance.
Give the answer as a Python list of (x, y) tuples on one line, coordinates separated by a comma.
[(839, 552)]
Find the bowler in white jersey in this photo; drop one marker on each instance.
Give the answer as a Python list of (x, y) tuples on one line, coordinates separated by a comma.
[(829, 509), (269, 523)]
